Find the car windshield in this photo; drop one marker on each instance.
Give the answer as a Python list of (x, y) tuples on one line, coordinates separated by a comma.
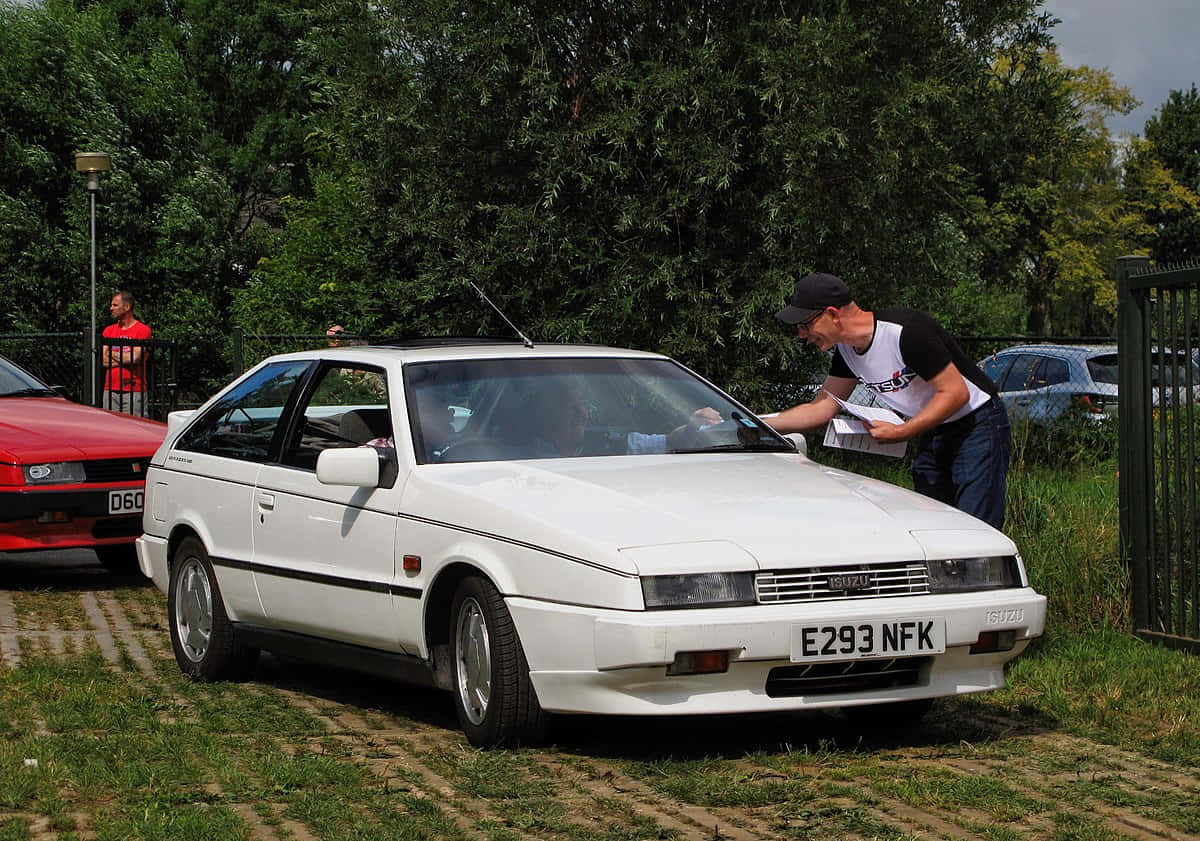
[(17, 383), (488, 410)]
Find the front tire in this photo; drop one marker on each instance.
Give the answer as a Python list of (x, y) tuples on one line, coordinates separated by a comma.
[(493, 696), (205, 641)]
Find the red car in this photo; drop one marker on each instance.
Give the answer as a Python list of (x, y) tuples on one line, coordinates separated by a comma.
[(70, 475)]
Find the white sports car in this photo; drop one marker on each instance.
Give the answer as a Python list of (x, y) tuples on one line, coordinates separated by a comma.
[(562, 529)]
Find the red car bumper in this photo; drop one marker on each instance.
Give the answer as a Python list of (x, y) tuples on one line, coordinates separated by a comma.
[(64, 518)]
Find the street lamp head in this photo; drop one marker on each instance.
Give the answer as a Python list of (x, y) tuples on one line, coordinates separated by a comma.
[(92, 164)]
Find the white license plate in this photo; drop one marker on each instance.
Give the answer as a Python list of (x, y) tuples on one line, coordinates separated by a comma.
[(903, 637), (125, 502)]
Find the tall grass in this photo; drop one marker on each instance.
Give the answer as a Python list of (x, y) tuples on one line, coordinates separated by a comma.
[(1064, 521)]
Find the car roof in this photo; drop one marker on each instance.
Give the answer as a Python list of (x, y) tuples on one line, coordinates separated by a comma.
[(1057, 350), (441, 349)]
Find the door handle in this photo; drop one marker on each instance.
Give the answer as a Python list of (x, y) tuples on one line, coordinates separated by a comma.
[(266, 501)]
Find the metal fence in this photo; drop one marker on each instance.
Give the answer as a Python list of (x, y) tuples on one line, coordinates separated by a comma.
[(64, 359), (1159, 319)]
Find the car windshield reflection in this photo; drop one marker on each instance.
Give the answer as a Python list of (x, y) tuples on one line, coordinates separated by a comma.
[(501, 409)]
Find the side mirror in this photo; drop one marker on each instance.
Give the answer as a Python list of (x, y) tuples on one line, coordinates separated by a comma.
[(800, 441), (354, 466)]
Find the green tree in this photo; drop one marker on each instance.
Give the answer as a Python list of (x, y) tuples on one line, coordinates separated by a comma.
[(659, 176), (1174, 132), (66, 86)]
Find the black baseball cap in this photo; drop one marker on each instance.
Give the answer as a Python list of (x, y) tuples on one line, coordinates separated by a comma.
[(814, 292)]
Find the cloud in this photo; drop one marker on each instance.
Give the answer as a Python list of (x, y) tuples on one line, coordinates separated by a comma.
[(1151, 47)]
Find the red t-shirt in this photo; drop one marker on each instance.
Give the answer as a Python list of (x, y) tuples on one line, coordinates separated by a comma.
[(120, 378)]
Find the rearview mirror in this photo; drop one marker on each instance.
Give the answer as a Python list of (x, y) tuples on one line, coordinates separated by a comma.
[(354, 466)]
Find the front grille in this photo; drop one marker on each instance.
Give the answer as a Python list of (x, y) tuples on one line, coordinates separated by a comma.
[(854, 676), (891, 578), (115, 469), (117, 527)]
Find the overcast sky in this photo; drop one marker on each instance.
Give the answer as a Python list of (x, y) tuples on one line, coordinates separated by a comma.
[(1150, 46)]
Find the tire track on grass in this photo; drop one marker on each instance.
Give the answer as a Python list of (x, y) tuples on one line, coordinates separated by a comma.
[(689, 820), (1072, 802), (341, 723), (910, 818)]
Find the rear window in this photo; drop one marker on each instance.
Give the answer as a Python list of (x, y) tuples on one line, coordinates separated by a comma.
[(1103, 368)]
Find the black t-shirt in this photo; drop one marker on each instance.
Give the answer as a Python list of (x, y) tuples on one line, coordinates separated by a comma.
[(907, 351)]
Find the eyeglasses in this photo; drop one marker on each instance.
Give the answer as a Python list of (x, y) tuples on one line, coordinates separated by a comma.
[(807, 323)]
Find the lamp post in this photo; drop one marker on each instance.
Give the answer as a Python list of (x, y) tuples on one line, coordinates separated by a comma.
[(92, 164)]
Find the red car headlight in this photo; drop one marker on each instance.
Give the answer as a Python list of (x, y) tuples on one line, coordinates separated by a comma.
[(54, 473)]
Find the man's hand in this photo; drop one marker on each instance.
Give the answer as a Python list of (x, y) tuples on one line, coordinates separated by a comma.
[(884, 432), (708, 416)]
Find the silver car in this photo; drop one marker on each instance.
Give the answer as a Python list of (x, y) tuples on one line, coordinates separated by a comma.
[(1043, 382)]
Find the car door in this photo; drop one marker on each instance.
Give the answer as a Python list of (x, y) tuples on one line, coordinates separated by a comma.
[(210, 475), (1020, 390), (324, 555)]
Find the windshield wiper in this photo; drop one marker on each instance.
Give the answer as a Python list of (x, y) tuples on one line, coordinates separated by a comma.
[(30, 392), (755, 447)]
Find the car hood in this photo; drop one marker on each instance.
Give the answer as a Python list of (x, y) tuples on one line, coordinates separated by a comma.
[(37, 429), (659, 514)]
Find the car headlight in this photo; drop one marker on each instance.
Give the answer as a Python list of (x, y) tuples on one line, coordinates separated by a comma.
[(708, 589), (54, 473), (959, 575)]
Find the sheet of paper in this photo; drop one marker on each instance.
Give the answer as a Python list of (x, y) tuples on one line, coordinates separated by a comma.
[(868, 413), (838, 434)]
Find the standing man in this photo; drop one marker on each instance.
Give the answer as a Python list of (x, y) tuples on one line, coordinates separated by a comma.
[(905, 357), (125, 377)]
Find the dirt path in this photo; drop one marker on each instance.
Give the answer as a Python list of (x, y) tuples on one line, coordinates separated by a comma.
[(752, 779)]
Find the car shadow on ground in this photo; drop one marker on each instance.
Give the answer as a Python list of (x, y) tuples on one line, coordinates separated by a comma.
[(648, 738), (63, 570)]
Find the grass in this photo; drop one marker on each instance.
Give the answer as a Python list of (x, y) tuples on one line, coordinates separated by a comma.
[(1094, 724)]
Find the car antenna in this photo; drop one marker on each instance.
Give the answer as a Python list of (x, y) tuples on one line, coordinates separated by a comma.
[(524, 339)]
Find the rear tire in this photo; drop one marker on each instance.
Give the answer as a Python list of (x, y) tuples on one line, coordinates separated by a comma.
[(493, 696), (205, 641), (895, 714)]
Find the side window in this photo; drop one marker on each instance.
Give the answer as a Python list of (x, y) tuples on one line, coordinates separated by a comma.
[(347, 407), (242, 424), (1021, 375), (1054, 371), (996, 367)]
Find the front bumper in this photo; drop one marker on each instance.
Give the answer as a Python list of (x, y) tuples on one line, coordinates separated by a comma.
[(586, 660), (88, 522), (152, 558)]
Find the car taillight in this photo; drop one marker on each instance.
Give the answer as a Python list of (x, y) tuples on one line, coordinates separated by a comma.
[(1089, 403), (11, 474)]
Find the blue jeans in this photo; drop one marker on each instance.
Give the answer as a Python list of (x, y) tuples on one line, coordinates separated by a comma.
[(964, 463)]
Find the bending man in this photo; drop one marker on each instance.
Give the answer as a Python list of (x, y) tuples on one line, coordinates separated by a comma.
[(916, 368)]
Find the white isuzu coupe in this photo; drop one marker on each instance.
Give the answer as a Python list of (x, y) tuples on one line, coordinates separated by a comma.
[(562, 529)]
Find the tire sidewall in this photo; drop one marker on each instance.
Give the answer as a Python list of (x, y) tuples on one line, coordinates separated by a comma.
[(487, 732), (216, 657)]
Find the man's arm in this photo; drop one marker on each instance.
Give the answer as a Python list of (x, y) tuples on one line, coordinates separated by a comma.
[(951, 395), (817, 413)]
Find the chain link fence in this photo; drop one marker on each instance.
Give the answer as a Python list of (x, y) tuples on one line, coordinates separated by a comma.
[(54, 358), (1043, 381)]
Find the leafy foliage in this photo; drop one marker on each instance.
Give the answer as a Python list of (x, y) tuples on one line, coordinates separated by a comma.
[(1174, 133)]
